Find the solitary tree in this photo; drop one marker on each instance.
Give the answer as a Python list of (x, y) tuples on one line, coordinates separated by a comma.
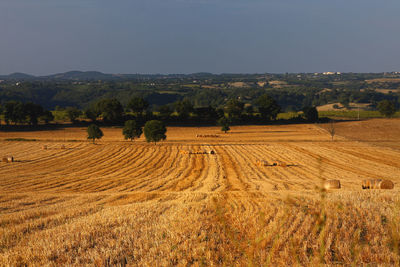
[(154, 131), (224, 123), (386, 108), (132, 130), (94, 132)]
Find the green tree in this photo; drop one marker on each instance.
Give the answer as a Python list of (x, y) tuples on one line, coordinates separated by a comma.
[(224, 123), (386, 108), (154, 131), (47, 116), (234, 108), (183, 108), (268, 107), (165, 112), (206, 114), (132, 130), (91, 114), (33, 112), (14, 112), (73, 113), (138, 105), (110, 109), (311, 114), (94, 132)]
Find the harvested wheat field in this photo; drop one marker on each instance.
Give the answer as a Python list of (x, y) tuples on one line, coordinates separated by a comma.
[(132, 203)]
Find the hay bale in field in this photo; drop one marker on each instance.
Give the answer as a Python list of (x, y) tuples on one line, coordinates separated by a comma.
[(279, 163), (332, 184), (44, 147), (262, 162), (282, 164), (62, 146), (377, 184), (8, 159), (386, 184)]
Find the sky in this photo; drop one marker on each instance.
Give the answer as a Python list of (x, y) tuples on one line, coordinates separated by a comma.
[(44, 37)]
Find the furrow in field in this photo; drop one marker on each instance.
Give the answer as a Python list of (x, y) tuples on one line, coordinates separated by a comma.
[(210, 180), (242, 154), (150, 170), (343, 169), (272, 177), (185, 178), (234, 179), (381, 167)]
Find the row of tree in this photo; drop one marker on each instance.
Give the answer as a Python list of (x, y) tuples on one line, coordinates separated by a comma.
[(18, 112), (154, 131), (111, 111)]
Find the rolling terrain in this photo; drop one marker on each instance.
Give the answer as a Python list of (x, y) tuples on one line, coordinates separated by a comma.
[(133, 203)]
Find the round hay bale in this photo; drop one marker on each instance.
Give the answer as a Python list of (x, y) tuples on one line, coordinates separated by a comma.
[(385, 184), (332, 184), (5, 160), (62, 146), (10, 159), (44, 147), (282, 164), (377, 184)]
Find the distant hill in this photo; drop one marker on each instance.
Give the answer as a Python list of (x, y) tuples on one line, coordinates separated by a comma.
[(81, 75), (17, 76), (96, 75), (70, 76)]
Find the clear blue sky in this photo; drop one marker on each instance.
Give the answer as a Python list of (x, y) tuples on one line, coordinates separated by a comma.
[(185, 36)]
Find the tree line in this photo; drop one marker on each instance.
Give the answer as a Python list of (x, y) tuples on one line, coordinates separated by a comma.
[(110, 111), (202, 90)]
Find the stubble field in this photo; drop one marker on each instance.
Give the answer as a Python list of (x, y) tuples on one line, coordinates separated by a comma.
[(132, 203)]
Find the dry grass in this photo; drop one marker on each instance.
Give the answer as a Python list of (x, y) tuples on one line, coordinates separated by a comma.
[(118, 203)]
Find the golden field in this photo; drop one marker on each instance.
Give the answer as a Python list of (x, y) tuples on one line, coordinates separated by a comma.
[(122, 203)]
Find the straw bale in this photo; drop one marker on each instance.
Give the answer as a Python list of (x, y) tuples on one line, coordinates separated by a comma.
[(377, 184), (332, 184)]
